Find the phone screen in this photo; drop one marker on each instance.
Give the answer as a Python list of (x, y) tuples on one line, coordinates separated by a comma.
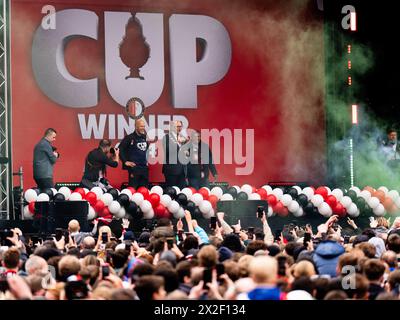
[(220, 269), (170, 243), (278, 234), (260, 211), (105, 271), (307, 238), (104, 237), (59, 234), (213, 223), (207, 277)]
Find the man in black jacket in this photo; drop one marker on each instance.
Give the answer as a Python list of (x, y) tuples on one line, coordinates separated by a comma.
[(44, 158), (96, 162), (200, 162), (133, 151), (173, 169)]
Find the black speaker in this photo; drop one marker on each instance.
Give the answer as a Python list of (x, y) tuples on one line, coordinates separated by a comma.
[(52, 215), (245, 210)]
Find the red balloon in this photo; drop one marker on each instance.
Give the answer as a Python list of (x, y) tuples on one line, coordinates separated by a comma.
[(263, 193), (81, 191), (332, 201), (144, 191), (98, 206), (339, 210), (104, 213), (160, 211), (91, 197), (213, 200), (154, 199), (284, 212), (204, 193), (131, 189), (322, 191), (193, 190), (272, 200), (31, 207), (278, 208)]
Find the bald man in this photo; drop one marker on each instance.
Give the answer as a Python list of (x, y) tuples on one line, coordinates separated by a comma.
[(133, 152)]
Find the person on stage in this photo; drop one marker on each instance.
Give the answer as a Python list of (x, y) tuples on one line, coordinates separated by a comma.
[(389, 145), (44, 158), (173, 169), (95, 165), (133, 153), (200, 162)]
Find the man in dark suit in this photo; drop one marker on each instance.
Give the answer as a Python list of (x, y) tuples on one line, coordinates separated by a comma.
[(390, 148), (200, 162), (173, 169)]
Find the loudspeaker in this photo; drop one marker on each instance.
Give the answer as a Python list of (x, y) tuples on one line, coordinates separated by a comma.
[(245, 210), (52, 215)]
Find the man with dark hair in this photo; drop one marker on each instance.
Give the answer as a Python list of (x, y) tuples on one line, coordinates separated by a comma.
[(393, 243), (44, 158), (10, 262), (150, 288), (95, 165), (389, 146), (374, 270)]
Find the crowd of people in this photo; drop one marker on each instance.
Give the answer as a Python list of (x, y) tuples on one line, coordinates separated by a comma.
[(178, 261)]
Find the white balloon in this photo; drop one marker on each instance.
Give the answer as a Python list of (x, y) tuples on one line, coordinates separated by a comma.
[(294, 206), (173, 207), (157, 189), (317, 200), (355, 215), (43, 197), (254, 196), (205, 206), (197, 198), (98, 191), (179, 214), (91, 214), (356, 189), (394, 195), (373, 202), (268, 189), (397, 203), (121, 213), (329, 190), (247, 188), (86, 190), (286, 199), (54, 191), (145, 206), (27, 214), (337, 193), (325, 209), (149, 214), (107, 199), (30, 195), (217, 191), (298, 213), (278, 192), (309, 192), (270, 212), (384, 189), (346, 201), (352, 209), (379, 210), (165, 200), (75, 196), (127, 192), (209, 214), (114, 207), (178, 191), (137, 198), (365, 194), (66, 192), (298, 189), (187, 192), (226, 197)]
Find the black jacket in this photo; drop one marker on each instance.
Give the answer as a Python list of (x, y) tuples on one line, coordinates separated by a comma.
[(126, 143), (171, 165), (95, 162), (203, 163)]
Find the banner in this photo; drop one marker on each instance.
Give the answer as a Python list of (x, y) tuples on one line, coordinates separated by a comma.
[(249, 73)]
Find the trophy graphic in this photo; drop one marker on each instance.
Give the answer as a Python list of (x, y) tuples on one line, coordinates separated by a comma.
[(134, 51)]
